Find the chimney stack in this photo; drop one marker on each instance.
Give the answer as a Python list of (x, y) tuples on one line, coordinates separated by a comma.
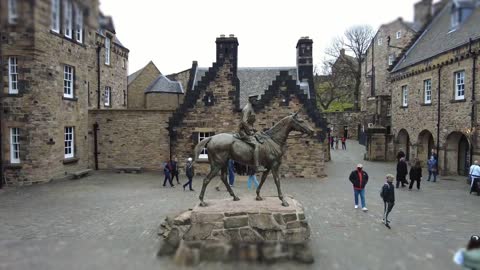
[(422, 13)]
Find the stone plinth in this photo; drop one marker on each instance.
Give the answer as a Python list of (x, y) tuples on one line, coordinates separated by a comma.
[(246, 230)]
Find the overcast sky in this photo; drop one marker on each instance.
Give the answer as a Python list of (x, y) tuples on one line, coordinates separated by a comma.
[(173, 33)]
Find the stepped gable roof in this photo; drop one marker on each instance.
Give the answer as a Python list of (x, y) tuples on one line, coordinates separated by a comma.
[(164, 85), (440, 37)]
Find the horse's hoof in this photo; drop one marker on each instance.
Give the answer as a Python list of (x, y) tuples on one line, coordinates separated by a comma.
[(259, 198), (285, 204), (236, 198), (203, 204)]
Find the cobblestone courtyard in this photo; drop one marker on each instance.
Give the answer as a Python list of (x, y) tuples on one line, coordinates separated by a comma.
[(110, 221)]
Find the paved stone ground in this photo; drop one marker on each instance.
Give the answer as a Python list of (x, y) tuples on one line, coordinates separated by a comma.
[(109, 221)]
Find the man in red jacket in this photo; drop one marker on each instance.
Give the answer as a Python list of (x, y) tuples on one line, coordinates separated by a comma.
[(359, 179)]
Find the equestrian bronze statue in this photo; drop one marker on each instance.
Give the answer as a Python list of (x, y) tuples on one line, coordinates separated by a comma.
[(270, 144)]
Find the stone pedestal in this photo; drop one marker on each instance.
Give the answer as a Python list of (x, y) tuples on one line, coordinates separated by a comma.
[(247, 230)]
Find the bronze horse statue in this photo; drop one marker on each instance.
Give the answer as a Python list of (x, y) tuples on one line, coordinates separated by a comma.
[(225, 146)]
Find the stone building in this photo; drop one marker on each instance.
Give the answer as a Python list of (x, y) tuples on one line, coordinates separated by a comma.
[(58, 59), (215, 96), (435, 88), (389, 44)]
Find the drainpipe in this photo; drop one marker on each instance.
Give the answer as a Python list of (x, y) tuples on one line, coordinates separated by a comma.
[(474, 105), (1, 117), (438, 112), (95, 144), (99, 49)]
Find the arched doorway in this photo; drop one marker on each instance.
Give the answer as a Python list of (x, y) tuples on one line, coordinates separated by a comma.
[(457, 156), (404, 143), (425, 145)]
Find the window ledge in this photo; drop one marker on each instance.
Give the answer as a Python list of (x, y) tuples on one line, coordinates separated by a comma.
[(458, 100), (13, 166), (13, 95), (202, 160), (70, 98), (71, 160), (403, 107), (72, 40), (426, 104)]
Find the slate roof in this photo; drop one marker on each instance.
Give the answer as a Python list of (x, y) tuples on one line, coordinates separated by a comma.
[(256, 80), (134, 75), (164, 85), (439, 37)]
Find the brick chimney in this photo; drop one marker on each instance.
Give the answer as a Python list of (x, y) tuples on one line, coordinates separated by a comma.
[(227, 48), (422, 13)]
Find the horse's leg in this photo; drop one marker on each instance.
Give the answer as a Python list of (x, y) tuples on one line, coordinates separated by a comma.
[(264, 177), (277, 183), (227, 185), (213, 171)]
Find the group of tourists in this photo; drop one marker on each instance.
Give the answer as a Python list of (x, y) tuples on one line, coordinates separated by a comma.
[(334, 140), (170, 169), (415, 173)]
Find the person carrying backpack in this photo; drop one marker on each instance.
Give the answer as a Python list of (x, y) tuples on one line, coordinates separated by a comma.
[(388, 195)]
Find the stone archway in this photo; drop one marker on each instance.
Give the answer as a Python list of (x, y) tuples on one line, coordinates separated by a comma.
[(457, 154), (403, 143), (425, 145)]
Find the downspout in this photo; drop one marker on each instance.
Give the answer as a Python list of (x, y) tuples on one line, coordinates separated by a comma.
[(1, 117), (95, 144), (438, 112), (474, 105), (99, 48)]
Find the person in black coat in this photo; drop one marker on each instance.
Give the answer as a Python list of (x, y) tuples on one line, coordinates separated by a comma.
[(415, 174), (400, 155), (174, 172), (388, 196), (190, 172), (402, 172)]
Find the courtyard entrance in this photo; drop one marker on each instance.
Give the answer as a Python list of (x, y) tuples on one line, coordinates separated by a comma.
[(425, 145), (457, 154), (404, 143)]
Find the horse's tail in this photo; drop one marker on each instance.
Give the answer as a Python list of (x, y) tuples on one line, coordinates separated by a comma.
[(199, 147)]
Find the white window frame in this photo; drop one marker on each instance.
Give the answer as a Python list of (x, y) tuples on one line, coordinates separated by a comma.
[(12, 11), (405, 96), (14, 145), (107, 50), (379, 41), (201, 136), (108, 96), (427, 91), (69, 142), (456, 18), (68, 81), (459, 85), (398, 35), (67, 18), (390, 59), (78, 24), (13, 75), (55, 16)]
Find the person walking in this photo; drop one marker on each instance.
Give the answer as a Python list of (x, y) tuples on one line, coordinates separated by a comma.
[(231, 172), (336, 143), (432, 168), (166, 171), (252, 177), (174, 166), (344, 143), (415, 174), (190, 172), (388, 195), (359, 179), (400, 154), (474, 177), (402, 172)]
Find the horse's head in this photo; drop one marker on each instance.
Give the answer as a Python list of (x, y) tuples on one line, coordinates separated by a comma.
[(300, 125)]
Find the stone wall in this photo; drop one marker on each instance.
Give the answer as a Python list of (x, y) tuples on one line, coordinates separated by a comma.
[(136, 88), (163, 101), (455, 116), (130, 138), (339, 120)]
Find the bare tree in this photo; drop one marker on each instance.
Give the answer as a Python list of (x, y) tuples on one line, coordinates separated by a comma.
[(355, 41), (335, 84)]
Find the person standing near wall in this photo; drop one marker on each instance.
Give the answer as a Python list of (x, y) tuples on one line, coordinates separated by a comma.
[(190, 172), (359, 179)]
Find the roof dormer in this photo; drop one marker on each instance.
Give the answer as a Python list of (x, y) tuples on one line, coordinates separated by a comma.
[(461, 10)]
